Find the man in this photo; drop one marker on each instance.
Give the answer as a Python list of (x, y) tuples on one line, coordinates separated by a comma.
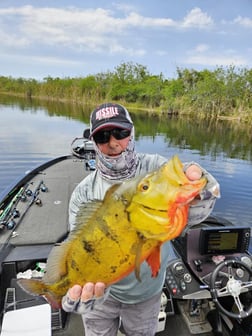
[(132, 304)]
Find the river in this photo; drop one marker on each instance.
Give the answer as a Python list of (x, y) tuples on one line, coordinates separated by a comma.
[(33, 132)]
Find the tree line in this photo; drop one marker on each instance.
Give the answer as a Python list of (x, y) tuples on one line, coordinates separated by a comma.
[(225, 92)]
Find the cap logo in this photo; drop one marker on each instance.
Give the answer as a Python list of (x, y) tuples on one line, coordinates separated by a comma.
[(107, 112)]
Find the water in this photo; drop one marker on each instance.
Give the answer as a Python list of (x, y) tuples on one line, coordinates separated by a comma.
[(31, 135), (28, 138), (234, 176)]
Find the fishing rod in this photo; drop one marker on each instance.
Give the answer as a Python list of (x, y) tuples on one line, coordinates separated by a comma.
[(9, 215), (10, 210), (34, 198)]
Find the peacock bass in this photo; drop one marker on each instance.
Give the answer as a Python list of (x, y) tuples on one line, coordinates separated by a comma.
[(114, 236)]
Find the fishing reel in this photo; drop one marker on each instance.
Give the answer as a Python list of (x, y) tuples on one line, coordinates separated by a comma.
[(9, 215), (10, 222)]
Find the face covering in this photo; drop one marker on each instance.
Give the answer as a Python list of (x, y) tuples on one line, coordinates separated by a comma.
[(119, 167)]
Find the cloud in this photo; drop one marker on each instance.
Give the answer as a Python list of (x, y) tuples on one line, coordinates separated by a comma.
[(123, 7), (204, 55), (197, 19), (97, 38), (55, 61), (70, 27), (161, 52), (216, 60), (10, 40), (90, 30), (244, 21), (93, 30), (137, 20), (200, 48)]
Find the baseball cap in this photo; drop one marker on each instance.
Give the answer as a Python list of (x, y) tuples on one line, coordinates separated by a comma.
[(109, 114)]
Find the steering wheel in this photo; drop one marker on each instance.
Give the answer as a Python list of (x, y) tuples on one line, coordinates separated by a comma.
[(233, 286)]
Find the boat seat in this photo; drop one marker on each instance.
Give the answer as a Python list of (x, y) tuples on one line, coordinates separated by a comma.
[(35, 320)]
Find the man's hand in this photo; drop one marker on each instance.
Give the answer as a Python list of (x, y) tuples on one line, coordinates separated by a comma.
[(193, 172), (87, 292), (82, 299)]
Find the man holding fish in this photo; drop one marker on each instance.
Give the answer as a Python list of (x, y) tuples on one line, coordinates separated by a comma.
[(133, 302)]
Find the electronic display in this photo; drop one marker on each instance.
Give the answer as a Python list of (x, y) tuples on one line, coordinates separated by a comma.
[(224, 240)]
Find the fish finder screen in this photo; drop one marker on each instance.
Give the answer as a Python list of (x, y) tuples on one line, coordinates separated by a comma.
[(223, 241)]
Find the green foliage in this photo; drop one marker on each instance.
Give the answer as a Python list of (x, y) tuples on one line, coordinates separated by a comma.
[(223, 92)]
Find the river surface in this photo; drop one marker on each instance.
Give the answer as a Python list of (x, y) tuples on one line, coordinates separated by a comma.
[(33, 133)]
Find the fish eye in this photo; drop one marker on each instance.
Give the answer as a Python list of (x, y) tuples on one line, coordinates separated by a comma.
[(144, 186)]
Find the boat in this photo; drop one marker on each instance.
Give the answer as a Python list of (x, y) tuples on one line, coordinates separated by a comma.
[(208, 286)]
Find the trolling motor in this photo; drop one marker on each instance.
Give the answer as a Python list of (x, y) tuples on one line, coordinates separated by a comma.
[(83, 148)]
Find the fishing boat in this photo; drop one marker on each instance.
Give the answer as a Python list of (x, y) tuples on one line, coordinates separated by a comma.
[(208, 286)]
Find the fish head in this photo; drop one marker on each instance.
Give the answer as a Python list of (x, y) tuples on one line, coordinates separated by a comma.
[(159, 206)]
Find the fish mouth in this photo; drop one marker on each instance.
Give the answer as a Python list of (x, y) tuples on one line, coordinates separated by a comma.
[(149, 210), (156, 224), (156, 216)]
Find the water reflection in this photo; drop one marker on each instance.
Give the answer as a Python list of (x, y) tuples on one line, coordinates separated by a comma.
[(32, 132), (205, 136), (208, 137)]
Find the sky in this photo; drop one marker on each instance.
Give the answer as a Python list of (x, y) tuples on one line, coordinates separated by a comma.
[(77, 38)]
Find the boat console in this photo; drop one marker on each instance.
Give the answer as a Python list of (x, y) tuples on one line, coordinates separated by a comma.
[(210, 265), (200, 250)]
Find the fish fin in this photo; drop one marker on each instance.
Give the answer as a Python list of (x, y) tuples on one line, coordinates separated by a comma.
[(153, 261), (85, 212), (138, 259), (111, 190), (88, 213), (53, 301), (56, 266), (88, 210), (33, 286), (37, 287)]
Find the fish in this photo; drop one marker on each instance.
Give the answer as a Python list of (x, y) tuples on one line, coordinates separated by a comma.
[(113, 237)]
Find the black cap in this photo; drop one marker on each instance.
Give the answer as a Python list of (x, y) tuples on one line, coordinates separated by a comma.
[(110, 114)]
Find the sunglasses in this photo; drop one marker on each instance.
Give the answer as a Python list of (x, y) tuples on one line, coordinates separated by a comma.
[(103, 137)]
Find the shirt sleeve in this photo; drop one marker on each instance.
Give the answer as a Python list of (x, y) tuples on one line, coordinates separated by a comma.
[(80, 195), (82, 307), (201, 208)]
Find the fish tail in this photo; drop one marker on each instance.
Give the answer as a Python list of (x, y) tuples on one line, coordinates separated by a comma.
[(38, 287), (54, 301), (33, 286)]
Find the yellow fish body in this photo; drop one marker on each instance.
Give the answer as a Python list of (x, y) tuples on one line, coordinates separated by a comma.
[(119, 233)]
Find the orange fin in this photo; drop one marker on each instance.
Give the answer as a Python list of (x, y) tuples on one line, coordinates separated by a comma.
[(153, 261)]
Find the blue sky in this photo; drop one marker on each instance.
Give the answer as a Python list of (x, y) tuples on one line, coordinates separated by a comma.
[(79, 37)]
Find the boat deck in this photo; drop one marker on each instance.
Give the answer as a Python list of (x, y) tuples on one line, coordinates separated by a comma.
[(44, 216), (49, 214), (46, 222), (175, 325)]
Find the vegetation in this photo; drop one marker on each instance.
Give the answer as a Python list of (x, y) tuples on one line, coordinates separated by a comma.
[(222, 93)]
